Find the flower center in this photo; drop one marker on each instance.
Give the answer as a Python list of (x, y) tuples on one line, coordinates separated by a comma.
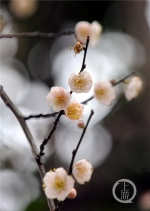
[(79, 82), (74, 112), (60, 100), (59, 185), (100, 92)]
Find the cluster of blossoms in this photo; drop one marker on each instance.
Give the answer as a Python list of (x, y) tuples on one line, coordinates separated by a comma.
[(58, 184), (59, 98), (104, 92)]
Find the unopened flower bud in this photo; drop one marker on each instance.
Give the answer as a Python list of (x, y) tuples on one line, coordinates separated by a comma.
[(80, 124), (72, 194), (113, 82)]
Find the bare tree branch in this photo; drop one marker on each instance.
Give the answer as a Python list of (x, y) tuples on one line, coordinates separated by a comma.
[(48, 137), (29, 137), (82, 135), (85, 51), (36, 35), (40, 116), (123, 79)]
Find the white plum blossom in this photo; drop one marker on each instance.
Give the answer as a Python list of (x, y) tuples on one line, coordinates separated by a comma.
[(133, 88), (75, 110), (84, 29), (82, 171), (59, 98), (58, 184), (72, 194), (104, 92), (80, 83)]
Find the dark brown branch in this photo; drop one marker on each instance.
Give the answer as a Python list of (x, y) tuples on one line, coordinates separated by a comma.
[(40, 116), (48, 137), (60, 204), (123, 79), (35, 35), (85, 51), (82, 135), (29, 137), (87, 100)]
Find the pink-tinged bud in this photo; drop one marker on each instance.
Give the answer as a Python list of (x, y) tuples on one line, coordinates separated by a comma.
[(113, 82), (81, 124), (72, 194)]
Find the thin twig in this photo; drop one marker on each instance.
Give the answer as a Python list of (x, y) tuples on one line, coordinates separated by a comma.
[(35, 35), (74, 152), (29, 136), (40, 116), (85, 51), (82, 135), (122, 80), (87, 100), (41, 153)]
